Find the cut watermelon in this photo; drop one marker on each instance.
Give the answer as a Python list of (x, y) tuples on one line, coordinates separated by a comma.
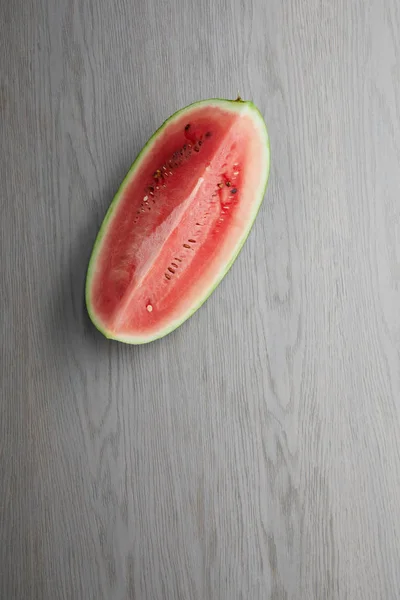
[(178, 220)]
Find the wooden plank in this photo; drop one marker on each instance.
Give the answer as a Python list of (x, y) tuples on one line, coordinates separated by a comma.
[(253, 453)]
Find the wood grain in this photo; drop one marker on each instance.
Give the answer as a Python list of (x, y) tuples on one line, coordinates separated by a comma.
[(254, 453)]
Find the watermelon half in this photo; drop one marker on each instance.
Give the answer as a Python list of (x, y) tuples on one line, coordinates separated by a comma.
[(179, 220)]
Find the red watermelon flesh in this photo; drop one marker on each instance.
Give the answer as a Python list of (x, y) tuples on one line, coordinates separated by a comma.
[(178, 220)]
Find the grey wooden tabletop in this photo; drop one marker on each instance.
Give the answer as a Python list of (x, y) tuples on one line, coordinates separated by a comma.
[(254, 453)]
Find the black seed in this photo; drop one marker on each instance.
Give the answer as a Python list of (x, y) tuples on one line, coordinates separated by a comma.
[(174, 265), (178, 259), (200, 142), (187, 127), (228, 184), (233, 191), (167, 276), (208, 134), (220, 185), (186, 246), (196, 149), (151, 189), (192, 241), (171, 270)]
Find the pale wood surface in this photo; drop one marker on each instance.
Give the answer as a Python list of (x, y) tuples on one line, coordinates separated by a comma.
[(253, 454)]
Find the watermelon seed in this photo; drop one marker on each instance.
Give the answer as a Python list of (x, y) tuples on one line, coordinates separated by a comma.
[(192, 241), (196, 149), (228, 184), (208, 134), (233, 191), (167, 276), (170, 172), (174, 265), (186, 246), (149, 307), (178, 259), (220, 185), (145, 199), (171, 270), (187, 127), (200, 142)]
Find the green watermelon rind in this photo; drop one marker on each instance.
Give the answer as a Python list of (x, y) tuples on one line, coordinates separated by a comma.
[(229, 104)]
